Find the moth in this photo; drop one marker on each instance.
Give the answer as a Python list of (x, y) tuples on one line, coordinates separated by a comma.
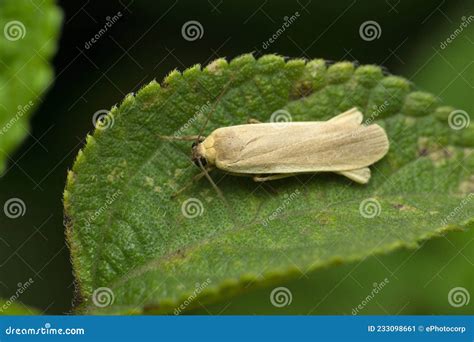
[(269, 151)]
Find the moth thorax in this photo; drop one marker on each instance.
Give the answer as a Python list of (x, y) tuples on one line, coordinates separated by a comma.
[(204, 152)]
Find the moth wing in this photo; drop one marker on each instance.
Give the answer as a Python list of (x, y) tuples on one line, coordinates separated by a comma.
[(335, 145), (360, 176), (351, 116)]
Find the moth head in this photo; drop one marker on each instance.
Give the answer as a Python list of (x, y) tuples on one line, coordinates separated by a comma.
[(198, 154)]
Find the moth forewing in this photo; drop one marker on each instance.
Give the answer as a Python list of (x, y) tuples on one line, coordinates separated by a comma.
[(341, 144)]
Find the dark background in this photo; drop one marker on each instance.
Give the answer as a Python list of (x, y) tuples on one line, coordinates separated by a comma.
[(146, 43)]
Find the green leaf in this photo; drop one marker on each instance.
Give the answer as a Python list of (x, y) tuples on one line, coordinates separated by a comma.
[(134, 248), (28, 34), (12, 307)]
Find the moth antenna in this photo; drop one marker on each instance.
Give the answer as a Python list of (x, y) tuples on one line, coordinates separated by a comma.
[(218, 191), (214, 106)]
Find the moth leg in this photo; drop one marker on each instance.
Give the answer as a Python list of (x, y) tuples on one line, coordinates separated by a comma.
[(193, 180), (183, 138), (272, 177), (253, 121)]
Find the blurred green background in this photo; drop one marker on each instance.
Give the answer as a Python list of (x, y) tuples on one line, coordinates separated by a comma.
[(146, 43)]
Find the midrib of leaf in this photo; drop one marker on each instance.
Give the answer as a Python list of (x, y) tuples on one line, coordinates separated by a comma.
[(281, 274), (173, 256)]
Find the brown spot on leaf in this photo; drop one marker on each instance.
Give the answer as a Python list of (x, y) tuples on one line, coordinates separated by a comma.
[(440, 157), (301, 89), (404, 207), (467, 186), (151, 308), (180, 254), (423, 152)]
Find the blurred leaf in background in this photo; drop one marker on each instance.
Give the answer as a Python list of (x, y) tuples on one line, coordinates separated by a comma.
[(29, 39), (10, 307)]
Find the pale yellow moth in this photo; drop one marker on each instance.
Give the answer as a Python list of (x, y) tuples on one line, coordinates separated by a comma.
[(268, 151)]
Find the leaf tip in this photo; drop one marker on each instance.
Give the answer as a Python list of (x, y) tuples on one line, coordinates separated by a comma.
[(173, 77), (419, 103), (217, 66), (369, 75), (340, 72)]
